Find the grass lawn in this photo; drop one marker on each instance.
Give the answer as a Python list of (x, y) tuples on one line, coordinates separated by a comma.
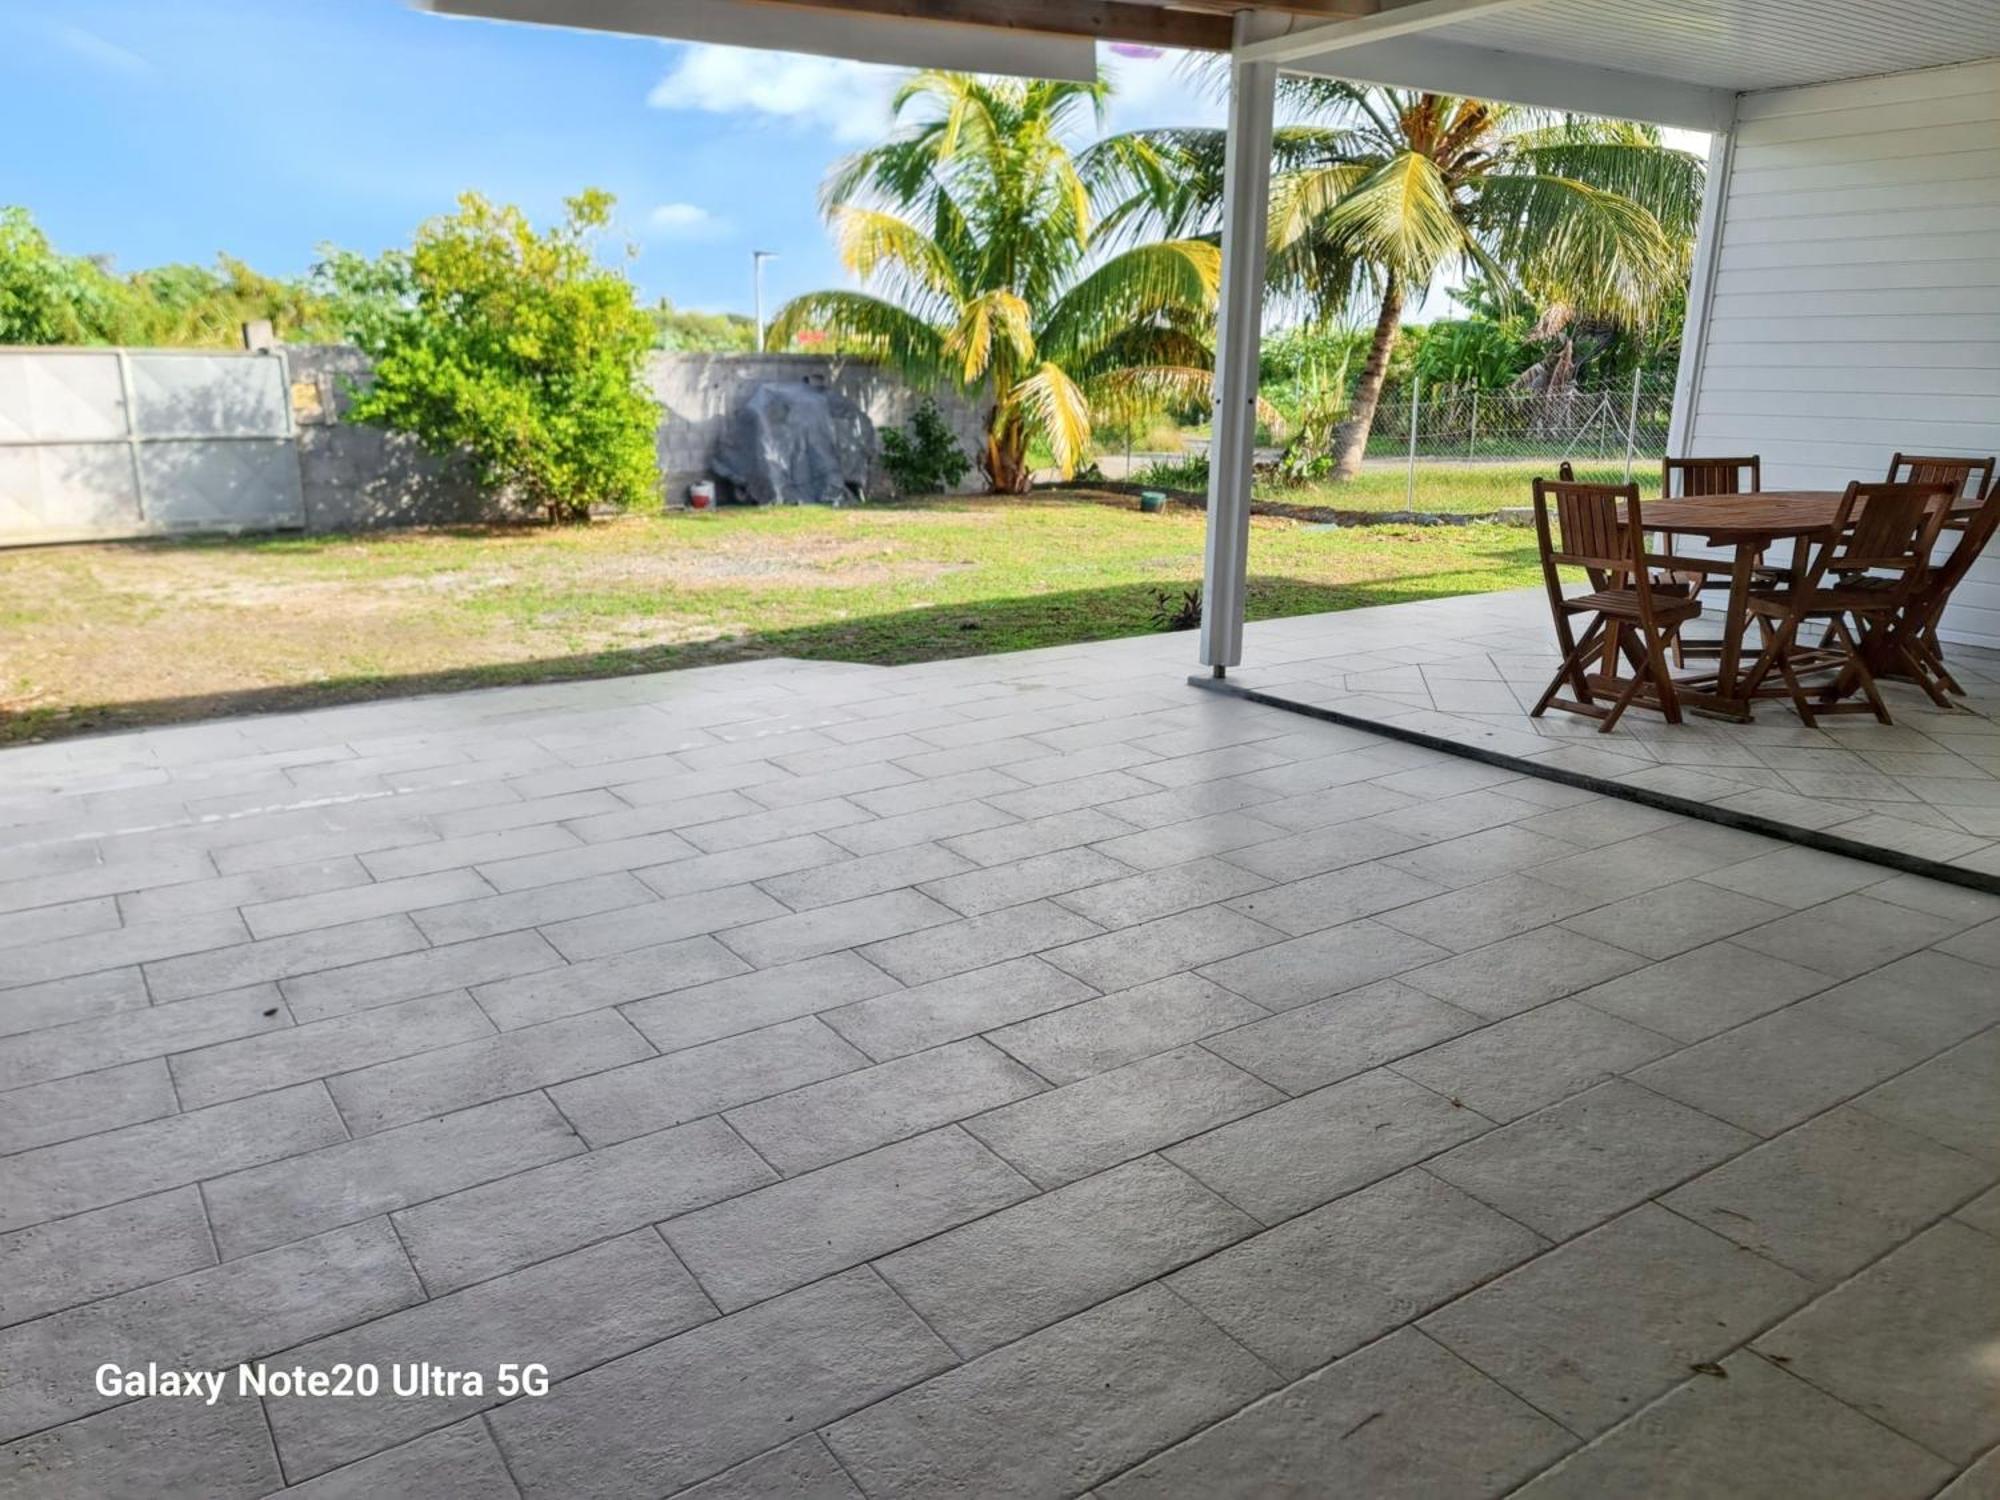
[(109, 635), (1455, 488)]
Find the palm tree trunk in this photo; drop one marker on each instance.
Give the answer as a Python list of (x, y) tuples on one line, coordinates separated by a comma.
[(1350, 440), (1006, 464)]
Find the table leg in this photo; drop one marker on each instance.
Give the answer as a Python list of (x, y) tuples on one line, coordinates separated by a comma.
[(1734, 621)]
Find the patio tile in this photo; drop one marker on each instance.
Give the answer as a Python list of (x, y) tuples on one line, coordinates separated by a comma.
[(827, 929), (1084, 1127), (427, 971), (1105, 1389), (1321, 1043), (80, 998), (1847, 936), (1909, 1341), (486, 1231), (1830, 1196), (50, 1182), (1519, 973), (1311, 1149), (1515, 1066), (1321, 849), (1402, 1418), (63, 1109), (1596, 1154), (989, 1282), (1096, 1036), (1673, 918), (1167, 945), (802, 1469), (1759, 1431), (686, 1017), (872, 1106), (1476, 915), (432, 1083), (979, 891), (207, 1320), (1982, 1212), (1954, 1098), (452, 1463), (708, 872), (1695, 994), (737, 1387), (1797, 877), (908, 1020), (1596, 1328), (524, 871), (571, 1312), (793, 1232), (1130, 899), (648, 925), (653, 1093), (1394, 1250), (101, 1253), (1929, 1000), (976, 942), (1284, 975), (161, 1446), (1980, 944), (1590, 825), (1481, 856), (1774, 1072), (1322, 901), (350, 1180)]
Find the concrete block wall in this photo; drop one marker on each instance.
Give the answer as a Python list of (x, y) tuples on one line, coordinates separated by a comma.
[(697, 392)]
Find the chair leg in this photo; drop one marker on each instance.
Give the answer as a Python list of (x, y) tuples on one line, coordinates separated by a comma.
[(1571, 671), (1638, 680), (1863, 675), (1663, 679)]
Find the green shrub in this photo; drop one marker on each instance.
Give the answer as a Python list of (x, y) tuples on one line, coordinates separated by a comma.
[(926, 459), (513, 346)]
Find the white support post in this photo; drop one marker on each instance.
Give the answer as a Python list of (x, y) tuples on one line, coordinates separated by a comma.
[(1701, 290), (1239, 334)]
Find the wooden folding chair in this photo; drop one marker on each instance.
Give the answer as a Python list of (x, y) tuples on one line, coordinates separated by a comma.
[(1689, 479), (1598, 528), (1867, 568), (1961, 474), (1918, 649)]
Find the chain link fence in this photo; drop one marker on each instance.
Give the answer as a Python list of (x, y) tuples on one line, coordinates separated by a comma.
[(1462, 450)]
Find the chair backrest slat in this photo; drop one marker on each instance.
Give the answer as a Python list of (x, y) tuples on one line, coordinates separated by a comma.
[(1589, 526), (1882, 528), (1979, 530), (1960, 473), (1690, 478)]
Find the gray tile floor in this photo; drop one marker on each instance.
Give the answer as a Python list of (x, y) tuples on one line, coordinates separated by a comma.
[(1019, 1076), (1468, 669)]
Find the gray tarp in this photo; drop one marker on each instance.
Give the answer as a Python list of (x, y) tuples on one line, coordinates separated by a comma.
[(796, 444)]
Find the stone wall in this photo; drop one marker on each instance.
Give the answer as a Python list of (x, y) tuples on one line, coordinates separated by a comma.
[(355, 476)]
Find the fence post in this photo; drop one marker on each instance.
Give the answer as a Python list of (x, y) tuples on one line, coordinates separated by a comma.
[(1472, 432), (1416, 405), (126, 395), (1632, 423)]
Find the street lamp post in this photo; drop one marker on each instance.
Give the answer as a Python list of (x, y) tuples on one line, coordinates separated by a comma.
[(757, 259)]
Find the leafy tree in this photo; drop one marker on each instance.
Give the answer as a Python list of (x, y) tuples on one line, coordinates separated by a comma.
[(688, 332), (514, 346), (1376, 192), (973, 231), (47, 297)]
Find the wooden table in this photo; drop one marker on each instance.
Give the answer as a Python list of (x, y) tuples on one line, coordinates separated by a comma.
[(1749, 524)]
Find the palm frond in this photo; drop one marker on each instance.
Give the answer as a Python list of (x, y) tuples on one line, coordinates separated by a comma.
[(1567, 241), (872, 242), (1057, 409), (1402, 216), (996, 319), (1130, 287), (860, 323)]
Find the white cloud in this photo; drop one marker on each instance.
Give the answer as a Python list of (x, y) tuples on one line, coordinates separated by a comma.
[(101, 51), (685, 221), (848, 101)]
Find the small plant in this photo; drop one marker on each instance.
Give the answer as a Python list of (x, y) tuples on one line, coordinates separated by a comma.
[(926, 459), (1177, 611), (1190, 473)]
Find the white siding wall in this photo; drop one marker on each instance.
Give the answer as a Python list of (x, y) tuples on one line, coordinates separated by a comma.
[(1855, 307)]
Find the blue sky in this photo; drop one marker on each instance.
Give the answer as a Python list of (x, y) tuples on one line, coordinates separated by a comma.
[(158, 132)]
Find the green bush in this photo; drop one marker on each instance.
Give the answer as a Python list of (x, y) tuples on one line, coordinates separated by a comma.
[(926, 459), (515, 347)]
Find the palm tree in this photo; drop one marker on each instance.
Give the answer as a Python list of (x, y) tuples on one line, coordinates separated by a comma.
[(972, 231), (1376, 192)]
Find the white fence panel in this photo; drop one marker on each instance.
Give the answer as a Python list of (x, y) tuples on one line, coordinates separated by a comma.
[(104, 443)]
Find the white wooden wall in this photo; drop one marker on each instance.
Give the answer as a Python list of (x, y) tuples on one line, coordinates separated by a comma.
[(1855, 305)]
